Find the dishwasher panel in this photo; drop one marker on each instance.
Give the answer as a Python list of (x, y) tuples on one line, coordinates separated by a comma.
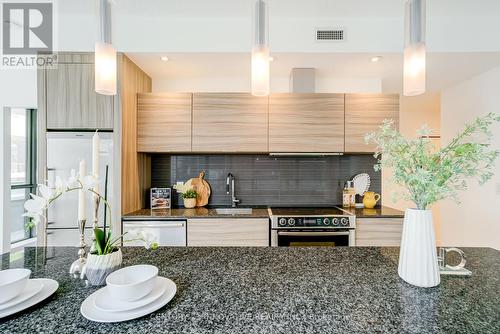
[(167, 232)]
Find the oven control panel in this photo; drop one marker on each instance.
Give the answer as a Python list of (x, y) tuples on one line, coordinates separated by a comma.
[(306, 222)]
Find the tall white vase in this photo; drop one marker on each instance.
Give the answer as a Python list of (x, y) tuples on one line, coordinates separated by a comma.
[(418, 257)]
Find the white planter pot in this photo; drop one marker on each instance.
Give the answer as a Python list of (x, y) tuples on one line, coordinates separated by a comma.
[(418, 263), (98, 267)]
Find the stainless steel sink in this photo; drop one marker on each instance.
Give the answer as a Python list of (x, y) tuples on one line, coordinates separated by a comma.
[(234, 211)]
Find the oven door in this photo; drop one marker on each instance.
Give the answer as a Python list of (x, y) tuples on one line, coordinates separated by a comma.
[(287, 238)]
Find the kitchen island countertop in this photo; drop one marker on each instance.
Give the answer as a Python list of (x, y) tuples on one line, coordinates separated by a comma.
[(275, 290)]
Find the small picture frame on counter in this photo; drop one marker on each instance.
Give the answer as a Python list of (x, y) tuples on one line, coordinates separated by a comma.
[(161, 198)]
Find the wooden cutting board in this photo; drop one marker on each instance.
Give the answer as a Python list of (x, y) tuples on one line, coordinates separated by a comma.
[(202, 187)]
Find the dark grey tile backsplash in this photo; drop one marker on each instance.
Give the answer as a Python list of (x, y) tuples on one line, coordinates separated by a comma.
[(267, 180)]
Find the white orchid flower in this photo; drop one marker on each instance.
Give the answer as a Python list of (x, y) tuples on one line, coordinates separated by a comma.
[(47, 192), (35, 207), (72, 181), (149, 240), (89, 182), (35, 217), (59, 185)]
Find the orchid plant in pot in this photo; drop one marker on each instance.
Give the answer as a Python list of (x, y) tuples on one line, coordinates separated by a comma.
[(427, 176), (106, 254)]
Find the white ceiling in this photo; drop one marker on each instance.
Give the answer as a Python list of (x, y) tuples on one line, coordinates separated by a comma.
[(301, 8), (443, 69), (188, 26)]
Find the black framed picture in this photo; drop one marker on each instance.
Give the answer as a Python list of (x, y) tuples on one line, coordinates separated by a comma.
[(161, 198)]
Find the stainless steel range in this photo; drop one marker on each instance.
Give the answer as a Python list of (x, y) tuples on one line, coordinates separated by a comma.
[(312, 227)]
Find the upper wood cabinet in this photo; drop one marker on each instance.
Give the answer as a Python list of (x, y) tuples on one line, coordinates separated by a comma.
[(71, 100), (364, 113), (306, 123), (164, 122), (229, 122)]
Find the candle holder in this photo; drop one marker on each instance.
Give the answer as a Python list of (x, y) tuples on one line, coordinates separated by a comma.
[(79, 264), (97, 201)]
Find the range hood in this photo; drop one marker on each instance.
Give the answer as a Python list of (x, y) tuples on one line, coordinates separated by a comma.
[(303, 80)]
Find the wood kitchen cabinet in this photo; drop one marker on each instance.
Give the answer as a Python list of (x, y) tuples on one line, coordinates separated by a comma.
[(229, 122), (228, 232), (164, 122), (378, 231), (71, 100), (306, 122), (364, 113)]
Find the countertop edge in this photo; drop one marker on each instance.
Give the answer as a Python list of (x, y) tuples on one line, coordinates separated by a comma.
[(209, 213)]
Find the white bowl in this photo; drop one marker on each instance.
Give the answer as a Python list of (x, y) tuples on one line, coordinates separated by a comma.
[(132, 283), (12, 283)]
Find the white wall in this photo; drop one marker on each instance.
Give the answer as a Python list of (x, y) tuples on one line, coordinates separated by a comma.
[(17, 89), (476, 222), (241, 83), (414, 112)]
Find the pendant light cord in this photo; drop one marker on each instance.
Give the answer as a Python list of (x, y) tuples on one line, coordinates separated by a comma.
[(105, 20)]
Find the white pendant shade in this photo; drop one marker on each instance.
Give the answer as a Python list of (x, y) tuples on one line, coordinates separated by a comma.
[(105, 68), (414, 67), (260, 71), (414, 70), (260, 52)]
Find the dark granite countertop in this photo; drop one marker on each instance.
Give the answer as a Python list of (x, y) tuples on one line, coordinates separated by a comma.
[(198, 212), (276, 290), (259, 212), (377, 212)]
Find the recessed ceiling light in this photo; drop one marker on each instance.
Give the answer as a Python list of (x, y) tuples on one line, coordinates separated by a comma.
[(164, 58), (376, 59)]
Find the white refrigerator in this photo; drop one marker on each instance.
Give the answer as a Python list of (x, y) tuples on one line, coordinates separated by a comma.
[(64, 152)]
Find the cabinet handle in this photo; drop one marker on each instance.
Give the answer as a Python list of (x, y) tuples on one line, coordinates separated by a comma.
[(311, 234), (153, 226)]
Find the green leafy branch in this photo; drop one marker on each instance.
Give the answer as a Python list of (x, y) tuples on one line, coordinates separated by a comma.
[(430, 175)]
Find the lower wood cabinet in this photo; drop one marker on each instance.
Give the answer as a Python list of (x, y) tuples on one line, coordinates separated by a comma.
[(378, 231), (228, 232)]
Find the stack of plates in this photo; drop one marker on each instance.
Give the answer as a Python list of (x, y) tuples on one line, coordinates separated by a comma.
[(116, 302), (23, 292)]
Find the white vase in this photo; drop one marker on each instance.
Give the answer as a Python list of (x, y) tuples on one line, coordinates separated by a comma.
[(98, 267), (418, 263)]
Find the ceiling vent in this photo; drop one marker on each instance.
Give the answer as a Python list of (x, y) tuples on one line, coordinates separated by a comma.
[(330, 34)]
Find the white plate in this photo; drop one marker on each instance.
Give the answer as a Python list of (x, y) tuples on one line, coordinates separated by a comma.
[(49, 287), (92, 313), (33, 286), (361, 183), (104, 301)]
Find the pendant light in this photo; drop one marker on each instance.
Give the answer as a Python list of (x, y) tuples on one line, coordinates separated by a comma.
[(105, 54), (260, 51), (414, 52)]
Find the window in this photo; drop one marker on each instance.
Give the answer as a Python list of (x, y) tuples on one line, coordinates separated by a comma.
[(22, 170)]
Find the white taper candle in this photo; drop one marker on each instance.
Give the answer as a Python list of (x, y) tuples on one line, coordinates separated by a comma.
[(81, 193), (95, 158)]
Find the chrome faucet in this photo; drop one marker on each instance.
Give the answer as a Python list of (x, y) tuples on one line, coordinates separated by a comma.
[(230, 181)]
